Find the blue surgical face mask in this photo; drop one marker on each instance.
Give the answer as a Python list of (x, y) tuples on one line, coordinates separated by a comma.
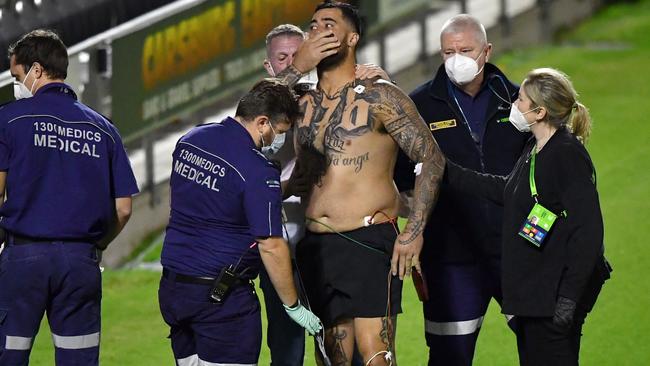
[(276, 144)]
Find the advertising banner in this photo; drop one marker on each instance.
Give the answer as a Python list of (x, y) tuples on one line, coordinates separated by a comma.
[(187, 60)]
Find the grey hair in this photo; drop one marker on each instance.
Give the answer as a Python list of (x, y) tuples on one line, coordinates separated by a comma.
[(284, 30), (464, 22)]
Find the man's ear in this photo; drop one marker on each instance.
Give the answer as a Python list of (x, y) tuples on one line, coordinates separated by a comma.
[(353, 39), (488, 50), (260, 121), (37, 70)]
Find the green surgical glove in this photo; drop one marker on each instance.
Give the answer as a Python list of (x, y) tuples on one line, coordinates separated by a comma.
[(304, 318)]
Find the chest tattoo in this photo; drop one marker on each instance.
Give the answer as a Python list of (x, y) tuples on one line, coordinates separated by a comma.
[(332, 123), (330, 127)]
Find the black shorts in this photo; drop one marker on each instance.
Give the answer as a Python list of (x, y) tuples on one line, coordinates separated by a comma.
[(344, 279)]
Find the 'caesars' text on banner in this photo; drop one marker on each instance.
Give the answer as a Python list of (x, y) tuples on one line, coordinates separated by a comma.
[(187, 60)]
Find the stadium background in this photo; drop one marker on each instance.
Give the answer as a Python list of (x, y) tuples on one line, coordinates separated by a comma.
[(157, 67)]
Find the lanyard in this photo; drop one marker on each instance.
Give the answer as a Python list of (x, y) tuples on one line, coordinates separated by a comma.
[(474, 135), (531, 178)]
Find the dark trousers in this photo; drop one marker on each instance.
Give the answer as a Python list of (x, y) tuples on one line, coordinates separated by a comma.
[(459, 295), (285, 338), (204, 332), (61, 279), (542, 343)]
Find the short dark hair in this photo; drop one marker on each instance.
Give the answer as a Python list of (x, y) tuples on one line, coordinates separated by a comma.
[(46, 48), (350, 13), (272, 98)]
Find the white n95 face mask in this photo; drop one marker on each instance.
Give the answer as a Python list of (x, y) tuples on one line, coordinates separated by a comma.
[(518, 119), (462, 69), (20, 90), (276, 144)]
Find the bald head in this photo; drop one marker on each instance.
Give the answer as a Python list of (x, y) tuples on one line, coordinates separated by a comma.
[(464, 36), (465, 23)]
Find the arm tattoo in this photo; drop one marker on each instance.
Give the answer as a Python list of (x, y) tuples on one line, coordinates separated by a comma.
[(404, 124), (289, 76)]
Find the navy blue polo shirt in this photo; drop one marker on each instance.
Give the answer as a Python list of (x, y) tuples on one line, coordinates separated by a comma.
[(224, 195), (473, 109), (65, 167)]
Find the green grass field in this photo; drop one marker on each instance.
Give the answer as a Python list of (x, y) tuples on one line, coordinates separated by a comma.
[(608, 59)]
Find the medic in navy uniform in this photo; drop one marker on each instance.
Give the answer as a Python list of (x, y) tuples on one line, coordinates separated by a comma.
[(225, 223), (466, 106), (68, 185)]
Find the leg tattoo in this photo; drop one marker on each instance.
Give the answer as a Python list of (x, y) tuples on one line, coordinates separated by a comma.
[(387, 333), (334, 346), (387, 336)]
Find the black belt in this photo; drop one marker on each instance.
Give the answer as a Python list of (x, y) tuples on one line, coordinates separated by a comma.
[(209, 281), (178, 277), (14, 239)]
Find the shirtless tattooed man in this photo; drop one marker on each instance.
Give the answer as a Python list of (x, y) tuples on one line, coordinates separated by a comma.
[(347, 143)]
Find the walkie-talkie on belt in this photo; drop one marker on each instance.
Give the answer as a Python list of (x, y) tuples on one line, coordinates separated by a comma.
[(224, 283), (228, 278)]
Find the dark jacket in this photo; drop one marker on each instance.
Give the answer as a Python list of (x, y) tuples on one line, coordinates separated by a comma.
[(572, 254), (462, 227)]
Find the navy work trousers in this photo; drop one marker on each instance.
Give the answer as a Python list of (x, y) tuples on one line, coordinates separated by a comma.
[(459, 295), (205, 332), (62, 279)]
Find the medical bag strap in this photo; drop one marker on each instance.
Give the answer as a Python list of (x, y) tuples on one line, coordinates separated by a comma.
[(593, 174), (608, 267)]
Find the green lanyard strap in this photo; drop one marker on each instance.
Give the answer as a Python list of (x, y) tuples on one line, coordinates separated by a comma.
[(531, 179)]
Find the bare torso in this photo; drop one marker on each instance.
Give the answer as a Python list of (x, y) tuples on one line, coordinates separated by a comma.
[(346, 149)]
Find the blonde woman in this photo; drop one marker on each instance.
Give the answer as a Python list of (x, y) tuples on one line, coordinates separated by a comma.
[(553, 254)]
